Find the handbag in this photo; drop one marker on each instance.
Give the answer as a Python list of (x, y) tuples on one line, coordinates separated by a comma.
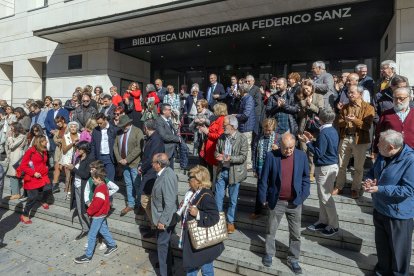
[(202, 237), (313, 124), (18, 169)]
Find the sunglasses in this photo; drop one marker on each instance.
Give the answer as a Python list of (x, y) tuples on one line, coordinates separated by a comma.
[(85, 101), (55, 104), (117, 114)]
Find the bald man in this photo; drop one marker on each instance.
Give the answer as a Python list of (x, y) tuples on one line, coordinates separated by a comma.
[(164, 203), (161, 91), (283, 187), (352, 79)]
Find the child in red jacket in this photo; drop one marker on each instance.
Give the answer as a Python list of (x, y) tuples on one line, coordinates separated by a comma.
[(98, 210)]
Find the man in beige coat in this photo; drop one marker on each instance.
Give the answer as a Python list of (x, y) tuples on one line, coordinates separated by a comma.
[(127, 150)]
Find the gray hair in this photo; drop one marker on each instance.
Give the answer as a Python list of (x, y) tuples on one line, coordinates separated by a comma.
[(390, 63), (150, 87), (72, 123), (403, 89), (283, 79), (249, 77), (327, 116), (195, 88), (244, 88), (162, 159), (360, 66), (393, 137), (233, 121), (150, 124), (196, 85), (319, 64)]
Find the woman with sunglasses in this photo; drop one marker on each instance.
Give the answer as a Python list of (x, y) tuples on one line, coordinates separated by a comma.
[(119, 111)]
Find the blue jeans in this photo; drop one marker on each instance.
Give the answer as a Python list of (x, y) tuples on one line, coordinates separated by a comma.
[(109, 166), (206, 270), (130, 174), (221, 184), (98, 225)]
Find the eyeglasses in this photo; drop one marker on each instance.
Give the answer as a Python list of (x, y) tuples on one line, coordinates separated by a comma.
[(117, 114), (86, 101), (401, 99), (55, 104)]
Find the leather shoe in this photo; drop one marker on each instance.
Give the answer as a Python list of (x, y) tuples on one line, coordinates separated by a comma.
[(354, 194), (81, 235), (230, 228), (126, 210), (337, 191), (254, 216)]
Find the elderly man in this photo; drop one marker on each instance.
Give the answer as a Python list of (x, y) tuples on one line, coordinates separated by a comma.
[(84, 112), (164, 203), (283, 187), (355, 121), (215, 92), (388, 72), (161, 90), (281, 106), (127, 149), (352, 79), (231, 152), (364, 80), (391, 183), (324, 84), (102, 144), (399, 118)]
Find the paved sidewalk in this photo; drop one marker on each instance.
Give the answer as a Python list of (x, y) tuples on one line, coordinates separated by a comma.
[(46, 248)]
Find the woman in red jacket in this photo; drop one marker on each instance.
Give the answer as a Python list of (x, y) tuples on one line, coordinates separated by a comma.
[(134, 92), (213, 132), (35, 170)]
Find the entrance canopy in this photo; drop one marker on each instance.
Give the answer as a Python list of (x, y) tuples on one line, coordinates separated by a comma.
[(349, 30)]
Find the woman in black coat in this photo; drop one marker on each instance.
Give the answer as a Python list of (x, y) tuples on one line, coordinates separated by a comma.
[(80, 172), (201, 206)]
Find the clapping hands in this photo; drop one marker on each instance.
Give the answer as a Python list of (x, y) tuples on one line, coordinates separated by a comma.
[(370, 186)]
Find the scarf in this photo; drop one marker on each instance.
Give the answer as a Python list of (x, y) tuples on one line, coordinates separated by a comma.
[(183, 211)]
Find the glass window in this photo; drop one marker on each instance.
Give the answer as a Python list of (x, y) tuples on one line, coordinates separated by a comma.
[(6, 8), (36, 4)]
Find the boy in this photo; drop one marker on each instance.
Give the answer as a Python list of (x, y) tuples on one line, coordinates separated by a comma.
[(98, 210)]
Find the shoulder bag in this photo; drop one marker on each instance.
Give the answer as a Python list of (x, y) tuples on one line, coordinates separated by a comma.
[(202, 237)]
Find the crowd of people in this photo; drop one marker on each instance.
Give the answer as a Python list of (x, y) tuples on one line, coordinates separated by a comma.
[(288, 133)]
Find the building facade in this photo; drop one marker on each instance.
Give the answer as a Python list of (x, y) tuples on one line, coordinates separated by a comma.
[(50, 47)]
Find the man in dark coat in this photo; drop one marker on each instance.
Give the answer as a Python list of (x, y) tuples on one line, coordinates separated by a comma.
[(153, 145), (215, 92)]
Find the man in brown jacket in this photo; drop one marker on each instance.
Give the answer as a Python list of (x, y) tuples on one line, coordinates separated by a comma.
[(355, 120)]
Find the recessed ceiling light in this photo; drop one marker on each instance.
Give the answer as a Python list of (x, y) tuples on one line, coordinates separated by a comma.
[(162, 56), (270, 45), (263, 37), (148, 51), (209, 51), (341, 28), (340, 38), (198, 45)]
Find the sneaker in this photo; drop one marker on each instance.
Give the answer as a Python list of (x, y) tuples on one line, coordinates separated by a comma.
[(82, 259), (267, 260), (56, 188), (329, 231), (110, 250), (316, 227), (102, 247), (86, 245), (294, 266), (23, 198)]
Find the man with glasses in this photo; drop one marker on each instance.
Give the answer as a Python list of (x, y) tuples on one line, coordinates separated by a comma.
[(388, 72), (84, 112), (215, 92), (355, 121), (399, 118)]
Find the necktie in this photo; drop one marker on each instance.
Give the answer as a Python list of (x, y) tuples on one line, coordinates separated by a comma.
[(171, 125), (210, 100), (123, 147)]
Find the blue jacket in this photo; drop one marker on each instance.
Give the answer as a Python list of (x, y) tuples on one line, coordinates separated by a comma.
[(270, 181), (39, 118), (395, 196), (96, 142), (50, 119), (325, 148), (246, 116), (190, 100)]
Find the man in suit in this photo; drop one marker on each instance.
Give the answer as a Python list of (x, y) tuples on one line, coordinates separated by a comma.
[(161, 91), (167, 132), (283, 187), (164, 203), (153, 145), (324, 84), (215, 92), (102, 144), (50, 125), (108, 108), (127, 149), (254, 91)]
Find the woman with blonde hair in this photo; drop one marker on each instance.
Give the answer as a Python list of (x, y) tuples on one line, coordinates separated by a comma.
[(86, 134), (199, 203), (69, 141), (58, 138)]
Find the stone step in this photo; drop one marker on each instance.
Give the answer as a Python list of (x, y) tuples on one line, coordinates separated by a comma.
[(233, 259)]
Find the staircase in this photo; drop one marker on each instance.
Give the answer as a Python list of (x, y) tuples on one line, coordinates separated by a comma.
[(350, 252)]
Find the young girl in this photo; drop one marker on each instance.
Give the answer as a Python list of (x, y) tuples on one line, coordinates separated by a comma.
[(98, 210)]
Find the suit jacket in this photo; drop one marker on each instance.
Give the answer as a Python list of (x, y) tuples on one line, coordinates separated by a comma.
[(170, 139), (50, 119), (270, 181), (161, 93), (109, 111), (164, 198), (153, 145), (218, 90), (96, 142), (190, 100), (324, 85), (135, 144)]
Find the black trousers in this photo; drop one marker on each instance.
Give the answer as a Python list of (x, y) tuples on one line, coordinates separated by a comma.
[(32, 196), (393, 243)]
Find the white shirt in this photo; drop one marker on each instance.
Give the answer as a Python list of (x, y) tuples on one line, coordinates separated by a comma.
[(160, 172), (105, 140), (55, 113), (78, 180), (122, 139)]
